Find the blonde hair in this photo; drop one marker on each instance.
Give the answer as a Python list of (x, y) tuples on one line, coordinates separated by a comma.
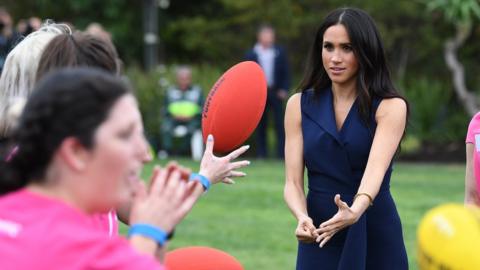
[(20, 69)]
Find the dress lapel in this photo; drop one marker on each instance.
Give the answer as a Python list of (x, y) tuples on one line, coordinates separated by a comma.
[(320, 110)]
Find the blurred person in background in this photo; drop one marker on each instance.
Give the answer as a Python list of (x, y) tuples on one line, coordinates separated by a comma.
[(96, 29), (8, 35), (274, 62), (182, 116), (27, 26)]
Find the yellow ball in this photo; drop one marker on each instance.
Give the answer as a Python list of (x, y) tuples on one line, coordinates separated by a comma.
[(448, 237)]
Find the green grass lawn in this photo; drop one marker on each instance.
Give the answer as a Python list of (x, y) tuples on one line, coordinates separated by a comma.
[(251, 221)]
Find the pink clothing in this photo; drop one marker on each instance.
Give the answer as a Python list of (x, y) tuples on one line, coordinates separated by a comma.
[(473, 136), (107, 222), (38, 232)]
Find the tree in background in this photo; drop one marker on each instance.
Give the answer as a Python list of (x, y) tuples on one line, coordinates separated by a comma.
[(123, 18), (212, 35), (462, 14)]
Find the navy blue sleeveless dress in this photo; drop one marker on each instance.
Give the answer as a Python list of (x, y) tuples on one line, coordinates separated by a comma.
[(335, 161)]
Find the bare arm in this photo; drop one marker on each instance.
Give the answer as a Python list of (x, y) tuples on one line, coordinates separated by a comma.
[(294, 192), (471, 194), (391, 120)]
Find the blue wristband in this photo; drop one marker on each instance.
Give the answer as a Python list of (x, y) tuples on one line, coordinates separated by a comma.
[(147, 230), (202, 179)]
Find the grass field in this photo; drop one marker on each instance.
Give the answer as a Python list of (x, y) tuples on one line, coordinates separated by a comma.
[(251, 221)]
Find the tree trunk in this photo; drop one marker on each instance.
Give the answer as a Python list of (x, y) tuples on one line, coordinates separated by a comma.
[(466, 97)]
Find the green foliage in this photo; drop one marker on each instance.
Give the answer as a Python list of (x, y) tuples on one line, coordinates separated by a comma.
[(428, 101), (219, 32), (215, 34), (462, 14), (123, 18), (226, 29), (149, 94), (457, 11), (434, 115), (410, 144)]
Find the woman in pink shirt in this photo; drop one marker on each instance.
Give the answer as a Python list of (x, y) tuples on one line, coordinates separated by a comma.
[(81, 149), (472, 172), (20, 75)]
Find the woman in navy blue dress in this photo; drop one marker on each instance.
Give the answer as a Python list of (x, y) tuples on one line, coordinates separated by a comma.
[(345, 127)]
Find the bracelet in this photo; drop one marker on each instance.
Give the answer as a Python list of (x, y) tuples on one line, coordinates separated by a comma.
[(200, 178), (147, 230), (365, 194)]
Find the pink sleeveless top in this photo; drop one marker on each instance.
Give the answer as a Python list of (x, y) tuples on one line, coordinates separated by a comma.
[(473, 136)]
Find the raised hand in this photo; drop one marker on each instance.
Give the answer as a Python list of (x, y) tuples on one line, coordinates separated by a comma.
[(167, 201), (343, 218), (222, 169)]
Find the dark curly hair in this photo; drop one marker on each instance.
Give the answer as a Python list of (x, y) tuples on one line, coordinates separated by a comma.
[(66, 103)]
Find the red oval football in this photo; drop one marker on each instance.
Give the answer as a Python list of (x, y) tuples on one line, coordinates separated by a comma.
[(200, 258), (235, 105)]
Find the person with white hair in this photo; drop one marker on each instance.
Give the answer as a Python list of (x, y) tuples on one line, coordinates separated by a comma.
[(19, 73)]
